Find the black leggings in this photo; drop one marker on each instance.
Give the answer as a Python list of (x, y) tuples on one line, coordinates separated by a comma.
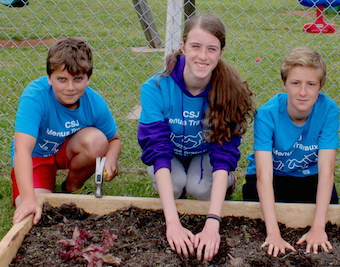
[(288, 189)]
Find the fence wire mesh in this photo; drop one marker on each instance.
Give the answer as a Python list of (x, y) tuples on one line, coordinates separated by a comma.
[(128, 49)]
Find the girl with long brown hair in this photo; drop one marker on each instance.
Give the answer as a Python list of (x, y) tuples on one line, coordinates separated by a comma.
[(193, 116)]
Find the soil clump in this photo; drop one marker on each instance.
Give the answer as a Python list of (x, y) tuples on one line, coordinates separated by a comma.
[(141, 240)]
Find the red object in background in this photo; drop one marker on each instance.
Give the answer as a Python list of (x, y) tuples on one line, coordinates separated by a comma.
[(319, 25)]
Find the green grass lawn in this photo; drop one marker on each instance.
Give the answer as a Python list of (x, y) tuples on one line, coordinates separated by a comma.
[(6, 208), (261, 28)]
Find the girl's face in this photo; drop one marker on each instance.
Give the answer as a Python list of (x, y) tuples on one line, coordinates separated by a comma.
[(302, 86), (202, 51)]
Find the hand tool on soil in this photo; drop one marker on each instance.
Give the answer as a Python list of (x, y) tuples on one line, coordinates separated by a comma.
[(99, 176)]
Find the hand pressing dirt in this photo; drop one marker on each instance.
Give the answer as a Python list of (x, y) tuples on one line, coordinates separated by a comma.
[(141, 240)]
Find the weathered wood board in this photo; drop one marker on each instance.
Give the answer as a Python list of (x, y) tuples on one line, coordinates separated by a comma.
[(293, 215)]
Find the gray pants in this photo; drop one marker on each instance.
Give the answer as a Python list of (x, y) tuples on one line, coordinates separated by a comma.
[(191, 180)]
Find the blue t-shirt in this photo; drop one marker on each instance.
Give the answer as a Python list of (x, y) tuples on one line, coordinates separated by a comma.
[(171, 124), (294, 148), (163, 100), (43, 117)]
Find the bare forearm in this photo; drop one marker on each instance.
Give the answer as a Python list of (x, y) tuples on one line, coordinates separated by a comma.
[(24, 175), (264, 174), (326, 165), (218, 191), (115, 148), (267, 201), (165, 190), (322, 202)]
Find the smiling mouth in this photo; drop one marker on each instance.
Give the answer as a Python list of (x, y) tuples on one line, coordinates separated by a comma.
[(200, 65)]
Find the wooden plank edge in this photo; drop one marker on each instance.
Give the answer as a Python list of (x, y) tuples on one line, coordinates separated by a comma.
[(293, 215), (12, 241)]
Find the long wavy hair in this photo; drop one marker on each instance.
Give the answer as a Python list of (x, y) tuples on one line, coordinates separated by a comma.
[(231, 107)]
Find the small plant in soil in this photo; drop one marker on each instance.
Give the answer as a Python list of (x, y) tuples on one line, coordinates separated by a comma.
[(142, 241), (95, 254)]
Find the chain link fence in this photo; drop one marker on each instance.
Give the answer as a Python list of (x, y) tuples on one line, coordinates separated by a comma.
[(129, 39)]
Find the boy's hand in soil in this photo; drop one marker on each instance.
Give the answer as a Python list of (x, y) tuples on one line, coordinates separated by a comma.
[(209, 240), (180, 239), (315, 237), (26, 208), (276, 244)]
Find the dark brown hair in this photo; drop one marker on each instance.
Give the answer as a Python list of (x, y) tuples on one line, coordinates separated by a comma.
[(75, 54), (231, 107)]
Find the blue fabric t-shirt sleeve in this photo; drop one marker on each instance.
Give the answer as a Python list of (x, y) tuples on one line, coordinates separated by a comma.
[(30, 110), (151, 101), (153, 132), (263, 133), (28, 116), (329, 136), (105, 120)]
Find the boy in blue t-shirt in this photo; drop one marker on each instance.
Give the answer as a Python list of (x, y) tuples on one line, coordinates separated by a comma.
[(295, 143), (61, 123)]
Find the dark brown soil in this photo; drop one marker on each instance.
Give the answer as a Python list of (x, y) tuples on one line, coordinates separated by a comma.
[(142, 242)]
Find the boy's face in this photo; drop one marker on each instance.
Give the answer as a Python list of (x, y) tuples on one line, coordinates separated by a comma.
[(303, 86), (67, 88)]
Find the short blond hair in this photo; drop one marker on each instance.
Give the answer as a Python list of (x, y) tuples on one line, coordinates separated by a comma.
[(303, 57)]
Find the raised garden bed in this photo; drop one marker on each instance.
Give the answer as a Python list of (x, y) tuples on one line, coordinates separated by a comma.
[(292, 215)]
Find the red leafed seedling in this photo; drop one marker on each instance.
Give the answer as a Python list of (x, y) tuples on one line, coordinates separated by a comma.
[(95, 254)]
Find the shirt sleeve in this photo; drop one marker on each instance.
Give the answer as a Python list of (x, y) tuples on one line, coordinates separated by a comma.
[(329, 136), (225, 156), (29, 114), (154, 139), (152, 101), (105, 120), (263, 132)]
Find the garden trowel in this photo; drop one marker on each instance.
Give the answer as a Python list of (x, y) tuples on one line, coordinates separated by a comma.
[(99, 176)]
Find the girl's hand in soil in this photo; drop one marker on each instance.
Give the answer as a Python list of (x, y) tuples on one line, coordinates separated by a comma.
[(209, 240), (276, 244), (315, 237), (180, 239), (26, 208)]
